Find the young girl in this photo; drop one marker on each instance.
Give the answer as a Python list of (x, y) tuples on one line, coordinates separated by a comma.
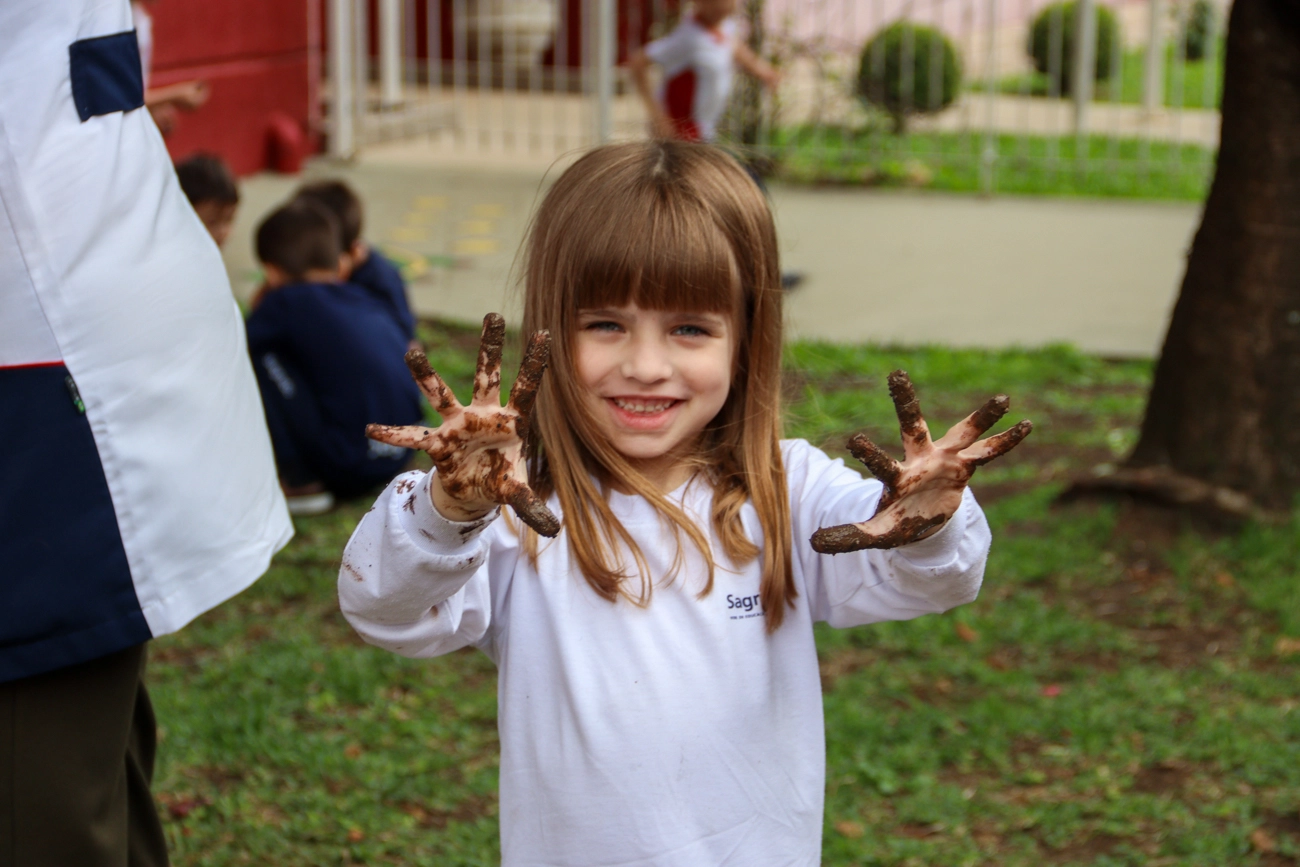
[(659, 697)]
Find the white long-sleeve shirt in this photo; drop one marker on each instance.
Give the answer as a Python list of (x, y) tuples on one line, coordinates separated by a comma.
[(676, 735)]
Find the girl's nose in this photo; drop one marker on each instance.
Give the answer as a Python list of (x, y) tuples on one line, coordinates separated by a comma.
[(647, 361)]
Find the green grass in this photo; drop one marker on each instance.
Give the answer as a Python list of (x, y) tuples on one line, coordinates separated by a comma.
[(1117, 695), (1034, 165), (1185, 83)]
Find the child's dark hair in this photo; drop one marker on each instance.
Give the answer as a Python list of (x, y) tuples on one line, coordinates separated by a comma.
[(299, 237), (339, 199), (206, 178)]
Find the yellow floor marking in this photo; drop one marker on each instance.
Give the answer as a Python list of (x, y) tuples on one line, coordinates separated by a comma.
[(490, 211), (474, 246), (408, 233), (430, 203), (475, 227)]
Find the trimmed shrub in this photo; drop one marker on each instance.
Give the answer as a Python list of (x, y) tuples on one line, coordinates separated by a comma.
[(1042, 34), (909, 69), (1197, 24)]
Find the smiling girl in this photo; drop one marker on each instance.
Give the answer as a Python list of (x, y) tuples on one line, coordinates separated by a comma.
[(659, 696)]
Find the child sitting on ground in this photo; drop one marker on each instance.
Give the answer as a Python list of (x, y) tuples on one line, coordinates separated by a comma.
[(210, 187), (328, 357), (366, 266), (660, 702)]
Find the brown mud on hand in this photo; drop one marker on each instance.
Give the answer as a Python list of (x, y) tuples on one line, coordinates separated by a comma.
[(532, 511), (439, 395), (987, 415), (881, 465), (403, 436), (487, 377), (847, 538), (910, 421), (478, 451), (523, 394), (922, 492), (997, 446)]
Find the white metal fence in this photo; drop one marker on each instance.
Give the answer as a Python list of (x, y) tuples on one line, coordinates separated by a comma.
[(540, 77)]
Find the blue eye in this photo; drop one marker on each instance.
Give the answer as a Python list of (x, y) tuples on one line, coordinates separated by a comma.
[(690, 331), (601, 325)]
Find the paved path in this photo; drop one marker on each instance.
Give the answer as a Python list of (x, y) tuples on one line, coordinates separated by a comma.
[(894, 267)]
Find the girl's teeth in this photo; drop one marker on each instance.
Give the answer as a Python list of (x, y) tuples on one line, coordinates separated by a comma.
[(630, 406)]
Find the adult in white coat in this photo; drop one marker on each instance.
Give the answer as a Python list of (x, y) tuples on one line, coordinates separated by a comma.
[(137, 486)]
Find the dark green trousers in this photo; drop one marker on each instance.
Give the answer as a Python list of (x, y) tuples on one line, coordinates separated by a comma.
[(76, 758)]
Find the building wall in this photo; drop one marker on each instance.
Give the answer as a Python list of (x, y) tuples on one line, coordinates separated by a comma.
[(254, 54)]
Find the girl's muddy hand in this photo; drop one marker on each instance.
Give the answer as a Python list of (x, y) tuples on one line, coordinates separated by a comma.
[(478, 449), (925, 490)]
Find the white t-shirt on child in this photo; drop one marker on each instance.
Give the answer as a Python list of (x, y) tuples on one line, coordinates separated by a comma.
[(677, 735), (697, 65)]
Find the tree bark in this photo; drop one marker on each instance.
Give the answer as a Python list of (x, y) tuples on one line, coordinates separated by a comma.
[(1224, 407)]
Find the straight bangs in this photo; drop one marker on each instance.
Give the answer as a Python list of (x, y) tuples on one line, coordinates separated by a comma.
[(658, 252)]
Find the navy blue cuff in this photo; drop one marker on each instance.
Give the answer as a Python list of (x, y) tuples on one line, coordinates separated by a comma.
[(106, 74)]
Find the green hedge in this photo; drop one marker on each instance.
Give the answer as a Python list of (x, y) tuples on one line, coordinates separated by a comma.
[(1042, 35), (909, 69)]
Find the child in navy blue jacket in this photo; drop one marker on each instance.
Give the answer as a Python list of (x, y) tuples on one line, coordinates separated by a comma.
[(363, 265), (329, 359)]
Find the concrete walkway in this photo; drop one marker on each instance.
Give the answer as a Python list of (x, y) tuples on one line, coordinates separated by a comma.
[(890, 267)]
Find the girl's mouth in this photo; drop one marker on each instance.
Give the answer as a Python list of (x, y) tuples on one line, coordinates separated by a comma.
[(643, 412), (645, 406)]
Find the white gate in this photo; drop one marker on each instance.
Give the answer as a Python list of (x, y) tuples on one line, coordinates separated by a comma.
[(539, 77)]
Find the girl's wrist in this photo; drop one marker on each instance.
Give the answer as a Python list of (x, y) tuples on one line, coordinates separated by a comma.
[(453, 509)]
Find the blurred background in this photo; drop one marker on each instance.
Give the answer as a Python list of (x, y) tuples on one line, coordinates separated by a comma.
[(929, 160)]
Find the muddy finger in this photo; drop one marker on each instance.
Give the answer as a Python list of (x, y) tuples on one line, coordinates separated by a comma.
[(916, 436), (487, 378), (846, 538), (875, 458), (439, 394), (973, 426), (530, 508), (994, 447), (403, 436), (523, 394)]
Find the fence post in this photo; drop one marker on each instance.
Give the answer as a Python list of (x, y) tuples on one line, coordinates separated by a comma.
[(988, 159), (1153, 84), (1085, 66), (603, 57), (342, 132), (390, 52)]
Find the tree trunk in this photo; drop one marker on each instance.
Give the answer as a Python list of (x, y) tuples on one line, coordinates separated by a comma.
[(1224, 408)]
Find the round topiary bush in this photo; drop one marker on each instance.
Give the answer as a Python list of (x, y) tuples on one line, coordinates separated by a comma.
[(1044, 32), (909, 69), (1197, 24)]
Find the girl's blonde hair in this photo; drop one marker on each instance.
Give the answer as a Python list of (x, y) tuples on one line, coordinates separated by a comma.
[(665, 226)]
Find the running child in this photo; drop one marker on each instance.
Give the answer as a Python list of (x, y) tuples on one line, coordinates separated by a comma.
[(697, 58), (659, 696)]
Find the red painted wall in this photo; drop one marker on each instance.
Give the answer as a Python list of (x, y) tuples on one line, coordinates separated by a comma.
[(254, 55), (634, 19)]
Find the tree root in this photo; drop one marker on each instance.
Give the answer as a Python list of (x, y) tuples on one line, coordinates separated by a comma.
[(1170, 487)]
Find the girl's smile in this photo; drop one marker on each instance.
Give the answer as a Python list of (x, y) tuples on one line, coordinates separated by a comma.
[(654, 380)]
